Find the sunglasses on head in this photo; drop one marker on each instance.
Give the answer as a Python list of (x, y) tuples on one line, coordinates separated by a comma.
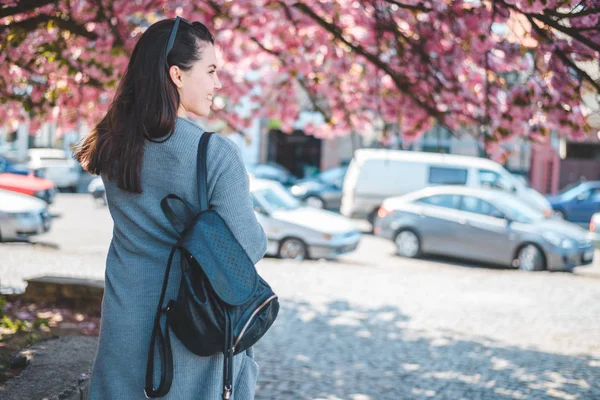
[(196, 25), (173, 34)]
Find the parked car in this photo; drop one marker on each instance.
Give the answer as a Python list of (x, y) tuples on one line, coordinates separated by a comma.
[(324, 190), (295, 231), (97, 190), (577, 203), (30, 185), (376, 174), (594, 234), (22, 216), (272, 171), (482, 225), (55, 165), (13, 167)]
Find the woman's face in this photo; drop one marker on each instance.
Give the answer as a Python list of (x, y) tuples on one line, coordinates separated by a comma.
[(198, 85)]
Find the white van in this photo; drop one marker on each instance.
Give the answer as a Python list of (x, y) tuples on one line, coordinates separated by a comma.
[(376, 174), (55, 165)]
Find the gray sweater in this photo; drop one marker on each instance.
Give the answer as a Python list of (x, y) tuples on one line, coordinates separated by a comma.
[(136, 261)]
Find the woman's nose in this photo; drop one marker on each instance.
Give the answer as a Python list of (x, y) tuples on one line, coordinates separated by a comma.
[(217, 83)]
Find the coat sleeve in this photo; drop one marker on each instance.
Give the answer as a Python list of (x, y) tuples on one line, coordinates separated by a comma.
[(229, 195)]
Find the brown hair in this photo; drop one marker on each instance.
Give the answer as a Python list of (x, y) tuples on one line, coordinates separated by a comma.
[(145, 104)]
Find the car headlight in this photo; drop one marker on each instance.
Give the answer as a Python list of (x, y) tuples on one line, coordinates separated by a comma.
[(558, 241), (298, 190)]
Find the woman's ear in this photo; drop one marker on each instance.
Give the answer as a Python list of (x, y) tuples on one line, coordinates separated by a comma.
[(175, 74)]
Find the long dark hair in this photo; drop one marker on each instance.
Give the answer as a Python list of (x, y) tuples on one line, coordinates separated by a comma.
[(145, 104)]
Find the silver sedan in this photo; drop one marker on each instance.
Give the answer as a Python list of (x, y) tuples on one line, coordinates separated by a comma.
[(298, 232), (481, 225), (22, 216)]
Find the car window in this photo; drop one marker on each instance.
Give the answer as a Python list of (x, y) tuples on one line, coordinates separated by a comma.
[(494, 180), (276, 198), (572, 191), (585, 195), (441, 200), (595, 196), (334, 176), (255, 203), (516, 210), (267, 171), (447, 176), (479, 206)]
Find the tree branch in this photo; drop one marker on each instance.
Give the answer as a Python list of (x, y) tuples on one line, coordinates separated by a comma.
[(300, 81), (565, 59), (545, 18), (108, 18), (402, 84), (570, 15), (23, 6), (573, 32), (33, 23), (418, 7)]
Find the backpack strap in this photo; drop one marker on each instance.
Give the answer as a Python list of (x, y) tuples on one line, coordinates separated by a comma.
[(158, 338), (202, 174), (163, 341)]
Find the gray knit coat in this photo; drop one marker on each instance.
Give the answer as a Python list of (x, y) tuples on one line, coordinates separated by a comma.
[(136, 261)]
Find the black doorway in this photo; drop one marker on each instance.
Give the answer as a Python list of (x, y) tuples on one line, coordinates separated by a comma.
[(297, 152)]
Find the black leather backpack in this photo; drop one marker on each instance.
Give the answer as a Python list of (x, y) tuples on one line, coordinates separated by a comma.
[(223, 305)]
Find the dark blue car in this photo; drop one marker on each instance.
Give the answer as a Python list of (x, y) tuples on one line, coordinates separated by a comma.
[(9, 166), (323, 190), (577, 203)]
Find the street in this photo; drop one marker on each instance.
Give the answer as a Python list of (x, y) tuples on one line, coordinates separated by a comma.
[(372, 325)]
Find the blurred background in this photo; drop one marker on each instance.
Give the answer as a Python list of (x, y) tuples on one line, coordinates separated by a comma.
[(427, 173)]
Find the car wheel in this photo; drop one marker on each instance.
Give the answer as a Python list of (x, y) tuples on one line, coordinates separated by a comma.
[(559, 214), (293, 249), (530, 258), (315, 202), (408, 244)]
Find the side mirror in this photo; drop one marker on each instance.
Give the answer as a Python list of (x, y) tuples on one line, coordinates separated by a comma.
[(580, 197)]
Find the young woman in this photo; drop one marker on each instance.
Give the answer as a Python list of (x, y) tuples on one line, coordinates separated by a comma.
[(145, 148)]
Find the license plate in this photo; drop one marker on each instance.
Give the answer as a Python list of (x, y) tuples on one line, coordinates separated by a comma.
[(588, 255)]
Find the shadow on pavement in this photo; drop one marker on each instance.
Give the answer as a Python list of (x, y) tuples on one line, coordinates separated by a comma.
[(335, 351)]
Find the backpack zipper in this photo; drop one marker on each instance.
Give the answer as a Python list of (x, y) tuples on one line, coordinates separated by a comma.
[(263, 305)]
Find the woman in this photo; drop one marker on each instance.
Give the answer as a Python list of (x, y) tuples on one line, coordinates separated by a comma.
[(144, 149)]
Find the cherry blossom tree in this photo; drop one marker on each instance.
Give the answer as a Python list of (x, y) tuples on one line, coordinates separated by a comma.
[(510, 68)]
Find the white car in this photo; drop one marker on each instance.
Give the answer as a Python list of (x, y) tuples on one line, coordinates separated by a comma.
[(22, 216), (55, 165), (377, 174), (295, 231)]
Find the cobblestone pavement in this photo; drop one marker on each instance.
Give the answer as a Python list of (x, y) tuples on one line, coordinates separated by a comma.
[(374, 326)]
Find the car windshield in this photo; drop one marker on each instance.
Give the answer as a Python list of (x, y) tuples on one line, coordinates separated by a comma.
[(519, 211), (334, 176), (276, 198), (571, 190)]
